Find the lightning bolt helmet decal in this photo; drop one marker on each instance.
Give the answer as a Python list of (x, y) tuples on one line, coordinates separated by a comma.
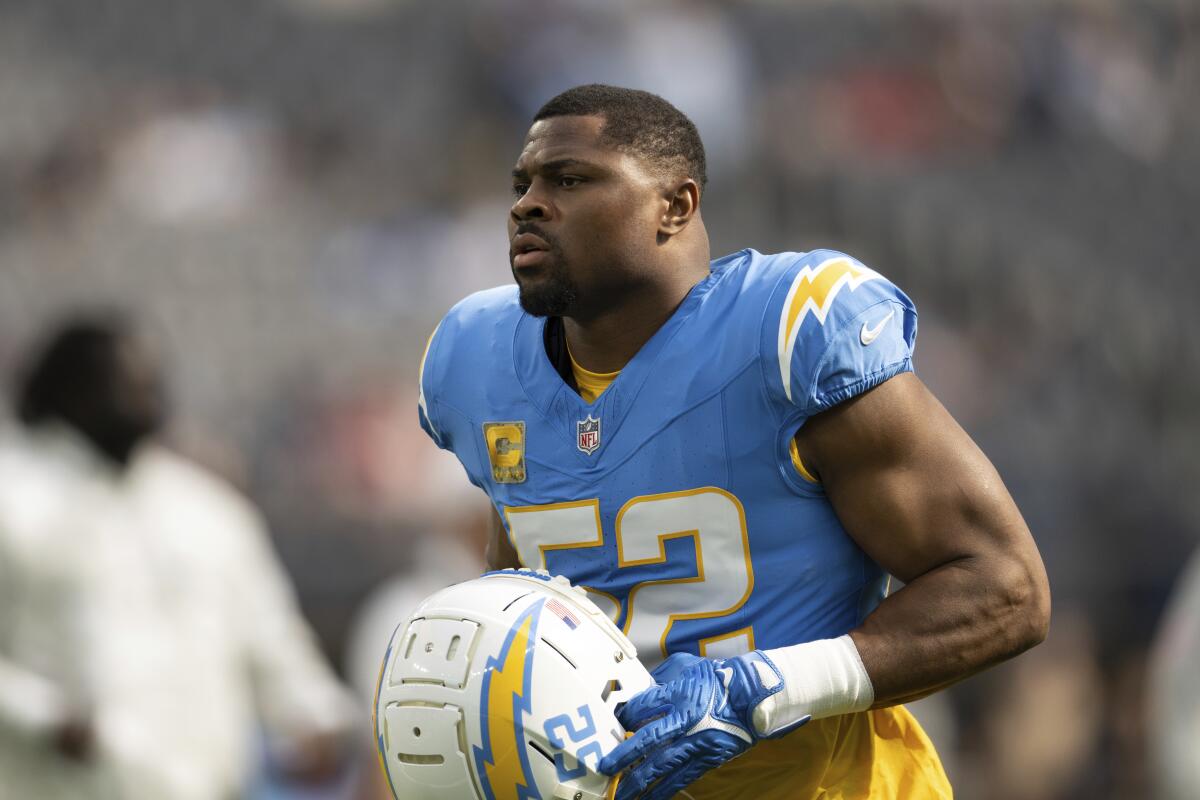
[(503, 760)]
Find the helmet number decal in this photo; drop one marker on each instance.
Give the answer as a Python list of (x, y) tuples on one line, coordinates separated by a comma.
[(587, 730)]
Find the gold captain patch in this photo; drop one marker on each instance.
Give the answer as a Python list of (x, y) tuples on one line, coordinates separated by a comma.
[(506, 450)]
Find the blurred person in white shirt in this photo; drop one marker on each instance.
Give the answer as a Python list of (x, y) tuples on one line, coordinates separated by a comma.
[(147, 630), (1173, 685)]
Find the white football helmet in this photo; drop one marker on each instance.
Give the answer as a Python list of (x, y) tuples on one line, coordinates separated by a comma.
[(504, 688)]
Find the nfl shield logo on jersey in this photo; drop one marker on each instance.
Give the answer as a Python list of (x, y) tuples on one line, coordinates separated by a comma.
[(589, 434)]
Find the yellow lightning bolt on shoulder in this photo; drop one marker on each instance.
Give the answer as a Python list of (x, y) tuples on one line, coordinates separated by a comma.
[(813, 291)]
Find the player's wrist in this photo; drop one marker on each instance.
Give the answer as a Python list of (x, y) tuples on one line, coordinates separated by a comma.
[(754, 680), (820, 679)]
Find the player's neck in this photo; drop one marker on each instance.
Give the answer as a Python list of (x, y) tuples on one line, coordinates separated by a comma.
[(605, 342)]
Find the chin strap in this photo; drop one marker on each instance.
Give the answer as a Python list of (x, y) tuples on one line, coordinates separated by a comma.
[(570, 791), (566, 792)]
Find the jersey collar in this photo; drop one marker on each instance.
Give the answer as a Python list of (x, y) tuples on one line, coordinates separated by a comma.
[(562, 405)]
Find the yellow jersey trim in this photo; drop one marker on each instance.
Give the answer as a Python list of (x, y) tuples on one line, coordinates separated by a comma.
[(798, 464), (591, 384), (421, 383)]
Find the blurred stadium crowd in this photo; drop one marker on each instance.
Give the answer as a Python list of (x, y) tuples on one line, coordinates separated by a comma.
[(293, 191)]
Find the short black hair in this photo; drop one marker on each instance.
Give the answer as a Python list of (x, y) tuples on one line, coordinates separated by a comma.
[(637, 122), (72, 359)]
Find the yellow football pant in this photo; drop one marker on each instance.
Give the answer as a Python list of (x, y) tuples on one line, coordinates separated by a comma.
[(871, 755)]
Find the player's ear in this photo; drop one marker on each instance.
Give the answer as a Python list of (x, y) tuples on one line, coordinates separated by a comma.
[(683, 203)]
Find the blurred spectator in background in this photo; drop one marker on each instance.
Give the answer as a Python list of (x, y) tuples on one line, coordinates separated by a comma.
[(446, 556), (145, 624), (449, 554), (1173, 704), (304, 220)]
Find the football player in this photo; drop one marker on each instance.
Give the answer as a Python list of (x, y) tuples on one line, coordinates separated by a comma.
[(732, 457)]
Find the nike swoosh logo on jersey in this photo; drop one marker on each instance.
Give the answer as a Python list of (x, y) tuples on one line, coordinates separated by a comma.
[(868, 335)]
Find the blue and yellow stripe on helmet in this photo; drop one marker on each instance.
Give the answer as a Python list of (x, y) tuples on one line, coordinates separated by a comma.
[(502, 763)]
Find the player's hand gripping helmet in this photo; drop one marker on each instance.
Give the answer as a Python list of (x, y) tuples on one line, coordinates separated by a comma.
[(504, 688)]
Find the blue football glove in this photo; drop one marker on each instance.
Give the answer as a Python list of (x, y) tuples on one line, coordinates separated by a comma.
[(697, 717)]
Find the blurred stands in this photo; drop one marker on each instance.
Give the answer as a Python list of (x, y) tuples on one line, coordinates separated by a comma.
[(296, 190)]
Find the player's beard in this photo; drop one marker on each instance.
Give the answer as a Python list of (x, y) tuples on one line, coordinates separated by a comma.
[(554, 294)]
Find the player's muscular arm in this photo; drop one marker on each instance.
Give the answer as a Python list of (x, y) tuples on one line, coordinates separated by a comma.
[(500, 553), (923, 501)]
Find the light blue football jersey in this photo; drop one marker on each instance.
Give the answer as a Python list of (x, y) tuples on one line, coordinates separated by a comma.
[(673, 497)]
